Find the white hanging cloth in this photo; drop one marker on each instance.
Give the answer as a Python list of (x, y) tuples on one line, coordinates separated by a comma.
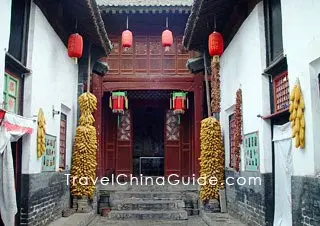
[(12, 128), (283, 172)]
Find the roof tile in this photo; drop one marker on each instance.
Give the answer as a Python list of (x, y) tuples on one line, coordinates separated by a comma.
[(146, 3)]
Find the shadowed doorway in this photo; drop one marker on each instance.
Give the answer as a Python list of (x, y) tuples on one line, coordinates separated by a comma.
[(148, 123), (148, 141)]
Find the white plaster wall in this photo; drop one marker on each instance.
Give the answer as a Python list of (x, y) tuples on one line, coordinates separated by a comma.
[(53, 82), (5, 20), (301, 42), (242, 65)]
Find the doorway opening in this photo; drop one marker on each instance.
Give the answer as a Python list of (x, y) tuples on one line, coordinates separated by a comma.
[(148, 140)]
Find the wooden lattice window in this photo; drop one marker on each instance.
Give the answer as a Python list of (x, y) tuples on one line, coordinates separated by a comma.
[(11, 93), (251, 150), (281, 92), (233, 156), (63, 141)]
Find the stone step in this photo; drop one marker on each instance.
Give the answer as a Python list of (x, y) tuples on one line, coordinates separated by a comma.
[(146, 195), (155, 205), (148, 215)]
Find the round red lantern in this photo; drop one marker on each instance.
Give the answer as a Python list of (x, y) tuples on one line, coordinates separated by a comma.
[(127, 39), (167, 38), (215, 44), (75, 46)]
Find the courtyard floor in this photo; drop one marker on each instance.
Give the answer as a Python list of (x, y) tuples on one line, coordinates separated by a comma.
[(102, 221), (211, 220)]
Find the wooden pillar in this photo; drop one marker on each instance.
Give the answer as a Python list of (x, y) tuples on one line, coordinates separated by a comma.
[(98, 92), (198, 115)]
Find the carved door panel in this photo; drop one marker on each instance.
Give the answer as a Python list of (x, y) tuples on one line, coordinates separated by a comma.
[(186, 144), (172, 144), (124, 144), (110, 142)]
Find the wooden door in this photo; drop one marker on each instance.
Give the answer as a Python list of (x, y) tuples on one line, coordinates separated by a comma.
[(172, 153), (124, 144), (110, 135), (186, 144)]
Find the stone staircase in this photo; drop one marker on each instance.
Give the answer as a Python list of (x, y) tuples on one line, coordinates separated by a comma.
[(152, 202)]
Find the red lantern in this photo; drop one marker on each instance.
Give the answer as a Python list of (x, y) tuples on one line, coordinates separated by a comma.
[(179, 102), (75, 46), (127, 39), (216, 44), (167, 38), (2, 114), (118, 102)]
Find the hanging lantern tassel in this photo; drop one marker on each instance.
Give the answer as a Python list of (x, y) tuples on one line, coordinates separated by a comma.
[(170, 102), (118, 120), (126, 103), (187, 103), (110, 102), (179, 119), (173, 103)]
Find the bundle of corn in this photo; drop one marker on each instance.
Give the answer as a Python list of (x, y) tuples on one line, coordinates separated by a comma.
[(215, 85), (85, 147), (211, 159), (41, 134), (296, 110), (238, 128)]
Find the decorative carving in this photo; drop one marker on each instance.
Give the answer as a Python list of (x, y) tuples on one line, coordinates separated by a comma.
[(124, 129), (172, 126), (141, 48)]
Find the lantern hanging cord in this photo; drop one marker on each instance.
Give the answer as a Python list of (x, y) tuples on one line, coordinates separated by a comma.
[(167, 22), (89, 68), (127, 22), (215, 22), (76, 24)]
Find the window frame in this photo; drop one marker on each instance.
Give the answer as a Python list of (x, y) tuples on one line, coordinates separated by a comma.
[(63, 117), (18, 94), (270, 59)]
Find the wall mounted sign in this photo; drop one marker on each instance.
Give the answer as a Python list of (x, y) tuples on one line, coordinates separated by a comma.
[(49, 157), (251, 148)]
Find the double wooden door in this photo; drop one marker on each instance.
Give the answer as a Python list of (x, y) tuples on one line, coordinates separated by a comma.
[(118, 143)]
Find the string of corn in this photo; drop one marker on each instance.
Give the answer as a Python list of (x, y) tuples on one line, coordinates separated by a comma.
[(85, 147), (211, 159), (297, 119), (41, 134)]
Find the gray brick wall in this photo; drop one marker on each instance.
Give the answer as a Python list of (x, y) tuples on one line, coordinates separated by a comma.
[(305, 200), (43, 198), (252, 204)]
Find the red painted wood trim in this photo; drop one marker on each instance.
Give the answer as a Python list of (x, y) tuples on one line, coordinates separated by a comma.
[(151, 78), (97, 91), (147, 85), (198, 114)]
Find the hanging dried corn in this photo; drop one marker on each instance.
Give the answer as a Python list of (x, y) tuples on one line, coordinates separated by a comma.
[(84, 161), (297, 119), (212, 158)]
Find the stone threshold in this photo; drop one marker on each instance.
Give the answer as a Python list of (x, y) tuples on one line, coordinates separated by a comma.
[(76, 219), (219, 219)]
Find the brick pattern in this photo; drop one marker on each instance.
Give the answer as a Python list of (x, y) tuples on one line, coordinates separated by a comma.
[(305, 200), (252, 204), (43, 198)]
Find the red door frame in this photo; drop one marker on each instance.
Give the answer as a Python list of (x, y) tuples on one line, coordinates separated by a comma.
[(191, 83)]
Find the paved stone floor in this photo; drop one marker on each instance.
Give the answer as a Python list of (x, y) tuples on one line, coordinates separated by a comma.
[(192, 221)]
